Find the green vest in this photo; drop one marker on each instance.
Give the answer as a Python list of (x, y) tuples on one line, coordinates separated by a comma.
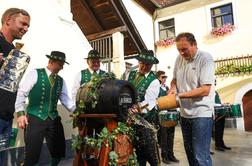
[(217, 98), (162, 92), (43, 97), (86, 75), (142, 85)]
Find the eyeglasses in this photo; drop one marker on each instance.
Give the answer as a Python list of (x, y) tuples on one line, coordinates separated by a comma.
[(163, 77)]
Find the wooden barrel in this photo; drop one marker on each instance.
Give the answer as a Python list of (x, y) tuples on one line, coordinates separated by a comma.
[(112, 97), (168, 102)]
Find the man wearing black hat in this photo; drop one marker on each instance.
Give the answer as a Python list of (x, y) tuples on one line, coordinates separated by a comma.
[(43, 87), (147, 86), (84, 76)]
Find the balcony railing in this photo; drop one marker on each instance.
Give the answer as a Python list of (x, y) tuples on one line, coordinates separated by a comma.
[(105, 47), (103, 43), (234, 65)]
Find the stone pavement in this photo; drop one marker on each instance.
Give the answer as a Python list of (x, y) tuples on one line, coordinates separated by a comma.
[(240, 155)]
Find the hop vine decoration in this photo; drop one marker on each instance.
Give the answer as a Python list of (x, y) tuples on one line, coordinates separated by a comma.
[(165, 42), (223, 30), (113, 158), (107, 139), (95, 82), (77, 142), (92, 94)]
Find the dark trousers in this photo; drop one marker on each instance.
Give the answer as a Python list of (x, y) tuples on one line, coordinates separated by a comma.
[(145, 141), (146, 146), (166, 141), (219, 131), (5, 133), (36, 131)]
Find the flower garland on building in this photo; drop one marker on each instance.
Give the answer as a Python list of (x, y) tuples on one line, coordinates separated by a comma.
[(223, 30), (165, 42)]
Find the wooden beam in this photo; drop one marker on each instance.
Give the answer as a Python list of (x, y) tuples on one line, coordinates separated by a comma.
[(106, 33), (149, 6), (92, 16)]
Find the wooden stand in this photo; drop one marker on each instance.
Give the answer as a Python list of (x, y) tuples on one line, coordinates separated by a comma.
[(110, 123)]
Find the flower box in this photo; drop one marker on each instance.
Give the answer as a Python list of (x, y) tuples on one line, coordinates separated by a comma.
[(223, 30), (165, 42)]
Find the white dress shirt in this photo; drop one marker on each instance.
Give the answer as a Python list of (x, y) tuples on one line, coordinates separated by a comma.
[(27, 84), (77, 83)]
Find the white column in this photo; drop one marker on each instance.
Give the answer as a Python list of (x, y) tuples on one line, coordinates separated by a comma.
[(118, 54)]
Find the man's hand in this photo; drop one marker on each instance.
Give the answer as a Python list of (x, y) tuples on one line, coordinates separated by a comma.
[(22, 121), (133, 109), (1, 57), (137, 108), (172, 89)]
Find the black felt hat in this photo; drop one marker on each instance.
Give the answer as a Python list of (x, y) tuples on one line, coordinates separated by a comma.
[(93, 54), (57, 55), (147, 56)]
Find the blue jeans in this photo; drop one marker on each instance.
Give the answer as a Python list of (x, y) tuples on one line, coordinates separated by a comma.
[(197, 138), (5, 132)]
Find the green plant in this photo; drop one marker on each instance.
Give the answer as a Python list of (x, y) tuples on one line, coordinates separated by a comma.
[(107, 139), (133, 160), (113, 158), (92, 94), (95, 83), (231, 69), (79, 110), (92, 142), (77, 142)]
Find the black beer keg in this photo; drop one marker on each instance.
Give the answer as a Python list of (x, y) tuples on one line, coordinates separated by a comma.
[(110, 96)]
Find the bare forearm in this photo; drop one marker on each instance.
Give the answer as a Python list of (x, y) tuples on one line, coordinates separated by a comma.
[(172, 89), (197, 92)]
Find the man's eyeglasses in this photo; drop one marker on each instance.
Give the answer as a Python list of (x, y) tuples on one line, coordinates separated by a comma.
[(163, 77)]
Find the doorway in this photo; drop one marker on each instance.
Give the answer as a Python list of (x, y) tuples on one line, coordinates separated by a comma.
[(247, 110)]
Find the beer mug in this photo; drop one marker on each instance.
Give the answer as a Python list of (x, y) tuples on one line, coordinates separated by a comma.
[(13, 69)]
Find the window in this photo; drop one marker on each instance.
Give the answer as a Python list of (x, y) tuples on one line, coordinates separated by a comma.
[(166, 29), (222, 15)]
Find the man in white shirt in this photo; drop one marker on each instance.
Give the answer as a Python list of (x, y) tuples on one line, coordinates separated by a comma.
[(84, 76), (43, 87), (147, 87)]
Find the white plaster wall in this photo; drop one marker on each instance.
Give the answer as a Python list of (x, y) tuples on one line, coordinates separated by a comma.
[(143, 22), (52, 28), (194, 16)]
